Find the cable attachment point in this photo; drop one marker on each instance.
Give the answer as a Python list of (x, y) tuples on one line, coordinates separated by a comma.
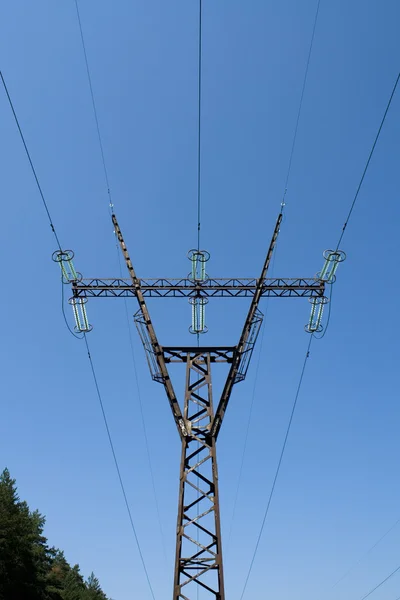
[(68, 272), (198, 315), (332, 260), (317, 308), (81, 321)]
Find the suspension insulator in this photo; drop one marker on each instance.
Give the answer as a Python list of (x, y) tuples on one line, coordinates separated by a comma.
[(332, 260), (64, 259), (314, 324), (198, 275), (79, 309), (198, 258), (198, 315)]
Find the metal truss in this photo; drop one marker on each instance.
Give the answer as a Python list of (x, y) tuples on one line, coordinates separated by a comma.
[(216, 354), (198, 543), (198, 559), (248, 338), (211, 288), (154, 348)]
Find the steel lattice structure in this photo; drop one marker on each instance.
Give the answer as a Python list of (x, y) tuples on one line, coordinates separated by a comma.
[(186, 288), (198, 560)]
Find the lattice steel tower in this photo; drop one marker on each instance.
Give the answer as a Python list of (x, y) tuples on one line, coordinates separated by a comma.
[(198, 559)]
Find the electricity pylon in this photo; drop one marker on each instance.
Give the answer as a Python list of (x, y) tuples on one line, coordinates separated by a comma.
[(198, 559)]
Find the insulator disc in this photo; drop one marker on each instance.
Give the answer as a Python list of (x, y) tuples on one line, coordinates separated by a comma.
[(62, 255), (203, 255), (193, 300), (194, 331), (328, 281), (317, 300), (317, 330), (334, 255), (77, 300), (79, 330)]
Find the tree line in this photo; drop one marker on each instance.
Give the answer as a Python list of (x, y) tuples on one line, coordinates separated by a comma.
[(29, 568)]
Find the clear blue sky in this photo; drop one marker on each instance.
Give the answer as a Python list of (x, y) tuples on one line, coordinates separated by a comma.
[(339, 488)]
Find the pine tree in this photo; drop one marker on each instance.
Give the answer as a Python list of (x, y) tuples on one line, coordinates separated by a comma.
[(57, 574), (23, 550), (29, 569), (93, 589), (74, 587)]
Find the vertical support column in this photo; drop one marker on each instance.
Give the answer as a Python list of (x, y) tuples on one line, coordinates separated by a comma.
[(198, 543)]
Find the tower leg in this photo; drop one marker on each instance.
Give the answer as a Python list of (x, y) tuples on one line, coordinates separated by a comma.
[(198, 560)]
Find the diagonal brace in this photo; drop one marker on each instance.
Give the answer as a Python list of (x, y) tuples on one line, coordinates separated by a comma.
[(157, 350), (244, 338)]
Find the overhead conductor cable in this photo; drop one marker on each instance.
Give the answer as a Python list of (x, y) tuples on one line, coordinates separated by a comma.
[(310, 341), (111, 207), (84, 321)]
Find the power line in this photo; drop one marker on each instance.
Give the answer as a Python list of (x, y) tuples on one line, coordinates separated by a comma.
[(278, 466), (199, 189), (246, 438), (146, 440), (301, 101), (86, 343), (111, 205), (250, 410), (120, 268), (310, 341), (117, 466), (337, 246), (41, 195), (30, 160), (282, 207), (381, 583), (367, 552), (199, 128), (358, 190), (368, 161), (199, 202)]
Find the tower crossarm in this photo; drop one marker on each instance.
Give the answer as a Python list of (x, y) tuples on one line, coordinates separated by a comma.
[(247, 340), (216, 354), (156, 348), (234, 287)]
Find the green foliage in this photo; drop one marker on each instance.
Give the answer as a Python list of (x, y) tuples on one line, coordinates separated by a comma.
[(23, 549), (93, 589), (74, 586), (29, 568)]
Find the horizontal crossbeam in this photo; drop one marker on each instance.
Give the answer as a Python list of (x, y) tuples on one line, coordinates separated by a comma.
[(211, 288), (175, 354)]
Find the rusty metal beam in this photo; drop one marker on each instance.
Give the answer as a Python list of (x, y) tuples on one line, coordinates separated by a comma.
[(198, 559), (198, 563), (156, 348), (217, 354), (247, 339), (212, 288)]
